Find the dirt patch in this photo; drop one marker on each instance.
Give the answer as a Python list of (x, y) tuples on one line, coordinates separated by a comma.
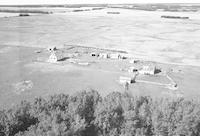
[(48, 67), (22, 86)]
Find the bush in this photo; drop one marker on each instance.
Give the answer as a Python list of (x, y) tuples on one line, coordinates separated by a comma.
[(88, 114)]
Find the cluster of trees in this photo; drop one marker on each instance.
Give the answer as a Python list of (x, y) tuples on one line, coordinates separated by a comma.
[(88, 114)]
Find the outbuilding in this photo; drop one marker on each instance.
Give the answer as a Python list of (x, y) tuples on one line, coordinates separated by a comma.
[(124, 56), (103, 55), (94, 54), (132, 69), (115, 56), (133, 61), (52, 48), (124, 80), (148, 70)]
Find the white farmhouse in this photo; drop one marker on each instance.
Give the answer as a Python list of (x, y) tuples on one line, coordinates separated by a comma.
[(55, 56)]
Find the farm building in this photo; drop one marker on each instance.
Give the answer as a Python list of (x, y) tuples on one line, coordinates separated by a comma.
[(55, 56), (103, 55), (94, 54), (124, 80), (52, 48), (124, 56), (133, 61), (115, 56), (148, 70), (132, 69)]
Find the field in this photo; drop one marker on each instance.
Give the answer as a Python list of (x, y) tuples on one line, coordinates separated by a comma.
[(154, 38), (171, 43)]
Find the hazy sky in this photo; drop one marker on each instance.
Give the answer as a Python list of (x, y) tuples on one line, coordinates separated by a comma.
[(10, 2)]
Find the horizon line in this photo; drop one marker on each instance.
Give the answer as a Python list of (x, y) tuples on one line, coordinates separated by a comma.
[(93, 4)]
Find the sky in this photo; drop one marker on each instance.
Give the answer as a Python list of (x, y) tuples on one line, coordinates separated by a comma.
[(25, 2)]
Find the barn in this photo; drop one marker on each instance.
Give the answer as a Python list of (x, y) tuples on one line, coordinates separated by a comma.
[(115, 56), (103, 55), (148, 70)]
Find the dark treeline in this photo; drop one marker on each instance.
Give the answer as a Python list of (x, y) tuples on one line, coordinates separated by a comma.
[(88, 114)]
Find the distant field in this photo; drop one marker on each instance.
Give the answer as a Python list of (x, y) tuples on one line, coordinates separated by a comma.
[(174, 7), (143, 33), (40, 10)]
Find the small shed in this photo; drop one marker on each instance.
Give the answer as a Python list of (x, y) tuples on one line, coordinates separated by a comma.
[(132, 69), (103, 55), (148, 70), (124, 56), (115, 56), (94, 54), (52, 48), (133, 61), (55, 56), (124, 80)]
